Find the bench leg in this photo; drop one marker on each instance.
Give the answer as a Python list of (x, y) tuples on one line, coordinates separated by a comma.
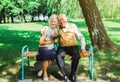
[(91, 62), (23, 51), (22, 65), (91, 67)]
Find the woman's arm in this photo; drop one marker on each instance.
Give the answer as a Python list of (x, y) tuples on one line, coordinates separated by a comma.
[(43, 42), (42, 39)]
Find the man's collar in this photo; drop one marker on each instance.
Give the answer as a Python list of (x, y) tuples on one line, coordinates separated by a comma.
[(66, 25)]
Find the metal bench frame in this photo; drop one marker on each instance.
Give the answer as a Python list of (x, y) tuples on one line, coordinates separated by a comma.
[(26, 49)]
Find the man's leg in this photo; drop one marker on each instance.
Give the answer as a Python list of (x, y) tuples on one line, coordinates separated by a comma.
[(74, 64), (61, 65)]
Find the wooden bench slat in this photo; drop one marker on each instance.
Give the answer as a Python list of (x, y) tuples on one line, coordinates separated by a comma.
[(30, 54), (81, 54), (34, 54), (85, 54)]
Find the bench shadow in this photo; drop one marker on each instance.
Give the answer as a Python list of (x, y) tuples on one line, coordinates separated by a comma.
[(53, 70)]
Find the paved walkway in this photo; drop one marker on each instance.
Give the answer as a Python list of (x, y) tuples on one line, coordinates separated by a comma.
[(55, 76), (79, 79)]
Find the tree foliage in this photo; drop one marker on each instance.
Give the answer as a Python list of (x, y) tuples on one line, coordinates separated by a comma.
[(109, 8), (10, 8)]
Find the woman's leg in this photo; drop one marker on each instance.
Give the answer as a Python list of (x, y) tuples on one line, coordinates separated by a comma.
[(44, 69), (49, 62)]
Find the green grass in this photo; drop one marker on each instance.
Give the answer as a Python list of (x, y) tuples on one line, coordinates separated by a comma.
[(14, 36), (113, 29)]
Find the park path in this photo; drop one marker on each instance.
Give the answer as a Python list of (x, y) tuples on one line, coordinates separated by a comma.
[(55, 75), (79, 79), (53, 79)]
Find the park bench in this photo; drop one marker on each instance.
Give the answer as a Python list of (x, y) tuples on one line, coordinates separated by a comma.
[(29, 54)]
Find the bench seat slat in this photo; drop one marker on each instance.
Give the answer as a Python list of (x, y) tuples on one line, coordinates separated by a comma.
[(34, 54), (30, 54)]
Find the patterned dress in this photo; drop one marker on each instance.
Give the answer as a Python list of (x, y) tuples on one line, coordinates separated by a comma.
[(47, 52)]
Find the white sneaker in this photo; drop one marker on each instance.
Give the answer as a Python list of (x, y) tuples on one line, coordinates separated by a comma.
[(40, 73), (45, 78)]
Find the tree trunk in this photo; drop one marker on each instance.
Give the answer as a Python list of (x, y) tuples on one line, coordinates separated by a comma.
[(12, 18), (4, 14), (95, 25), (1, 17), (24, 18)]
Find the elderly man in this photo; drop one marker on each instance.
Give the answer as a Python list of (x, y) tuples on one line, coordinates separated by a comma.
[(68, 45)]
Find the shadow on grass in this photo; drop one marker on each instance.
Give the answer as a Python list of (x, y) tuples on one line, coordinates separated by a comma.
[(109, 69), (113, 29), (113, 20), (11, 43), (31, 73)]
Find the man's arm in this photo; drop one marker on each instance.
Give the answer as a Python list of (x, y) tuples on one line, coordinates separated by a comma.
[(80, 37)]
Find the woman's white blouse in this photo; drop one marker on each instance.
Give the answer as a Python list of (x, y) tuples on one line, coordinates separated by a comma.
[(49, 32)]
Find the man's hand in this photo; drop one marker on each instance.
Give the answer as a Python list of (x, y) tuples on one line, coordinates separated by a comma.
[(83, 51)]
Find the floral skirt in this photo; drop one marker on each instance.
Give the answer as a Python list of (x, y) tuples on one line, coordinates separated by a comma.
[(45, 54)]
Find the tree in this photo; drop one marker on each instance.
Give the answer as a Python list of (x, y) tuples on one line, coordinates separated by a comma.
[(5, 6), (95, 25)]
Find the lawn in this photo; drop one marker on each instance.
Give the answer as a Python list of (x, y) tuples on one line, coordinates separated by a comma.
[(14, 36)]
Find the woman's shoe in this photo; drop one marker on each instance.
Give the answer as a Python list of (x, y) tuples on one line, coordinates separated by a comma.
[(45, 77), (40, 73)]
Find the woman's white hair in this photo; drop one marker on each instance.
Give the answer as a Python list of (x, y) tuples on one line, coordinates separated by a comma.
[(53, 16)]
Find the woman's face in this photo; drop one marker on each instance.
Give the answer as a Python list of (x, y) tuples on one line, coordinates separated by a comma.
[(53, 23)]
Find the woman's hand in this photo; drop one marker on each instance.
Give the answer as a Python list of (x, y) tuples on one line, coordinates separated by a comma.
[(43, 33), (56, 40)]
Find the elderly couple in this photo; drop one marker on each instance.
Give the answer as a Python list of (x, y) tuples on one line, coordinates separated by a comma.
[(68, 34)]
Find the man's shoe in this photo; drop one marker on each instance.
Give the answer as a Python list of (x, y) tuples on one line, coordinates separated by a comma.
[(65, 79), (73, 78)]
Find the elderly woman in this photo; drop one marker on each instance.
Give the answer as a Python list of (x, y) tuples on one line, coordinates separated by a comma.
[(46, 48)]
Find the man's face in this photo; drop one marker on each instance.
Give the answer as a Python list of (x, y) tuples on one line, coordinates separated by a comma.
[(62, 21)]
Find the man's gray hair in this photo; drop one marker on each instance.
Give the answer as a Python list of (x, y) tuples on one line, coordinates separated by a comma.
[(63, 15)]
